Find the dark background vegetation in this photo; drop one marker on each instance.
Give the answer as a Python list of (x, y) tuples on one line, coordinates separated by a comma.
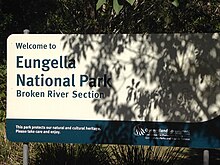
[(60, 16), (81, 16)]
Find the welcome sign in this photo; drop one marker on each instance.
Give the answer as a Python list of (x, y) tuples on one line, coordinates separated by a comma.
[(153, 89)]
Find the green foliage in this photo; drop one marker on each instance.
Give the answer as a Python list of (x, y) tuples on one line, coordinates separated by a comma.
[(11, 153), (83, 154), (59, 154), (130, 155), (3, 83), (175, 3), (100, 3), (162, 16), (140, 16), (116, 6), (131, 1)]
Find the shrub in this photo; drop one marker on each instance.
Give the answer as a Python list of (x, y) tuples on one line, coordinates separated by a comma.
[(59, 154), (3, 84), (131, 155)]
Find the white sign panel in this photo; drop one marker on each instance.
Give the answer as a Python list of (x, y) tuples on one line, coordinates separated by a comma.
[(141, 87)]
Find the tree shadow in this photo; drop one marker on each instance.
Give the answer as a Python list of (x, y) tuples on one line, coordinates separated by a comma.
[(155, 77)]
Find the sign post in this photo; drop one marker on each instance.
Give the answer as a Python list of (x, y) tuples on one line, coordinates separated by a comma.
[(152, 89), (25, 153), (25, 145), (206, 157)]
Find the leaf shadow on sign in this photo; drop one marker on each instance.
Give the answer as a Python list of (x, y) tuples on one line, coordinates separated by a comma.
[(172, 77)]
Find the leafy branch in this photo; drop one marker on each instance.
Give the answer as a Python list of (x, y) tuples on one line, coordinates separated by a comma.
[(117, 7)]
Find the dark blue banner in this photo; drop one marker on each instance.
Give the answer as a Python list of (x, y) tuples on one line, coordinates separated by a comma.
[(195, 135)]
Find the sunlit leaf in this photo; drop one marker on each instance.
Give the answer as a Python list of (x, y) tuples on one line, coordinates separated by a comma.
[(131, 1), (100, 3), (175, 3), (116, 6)]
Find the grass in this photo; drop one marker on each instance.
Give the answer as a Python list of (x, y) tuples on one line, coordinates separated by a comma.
[(10, 153), (72, 154), (145, 155)]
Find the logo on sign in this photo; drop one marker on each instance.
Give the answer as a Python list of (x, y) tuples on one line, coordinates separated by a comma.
[(138, 130)]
